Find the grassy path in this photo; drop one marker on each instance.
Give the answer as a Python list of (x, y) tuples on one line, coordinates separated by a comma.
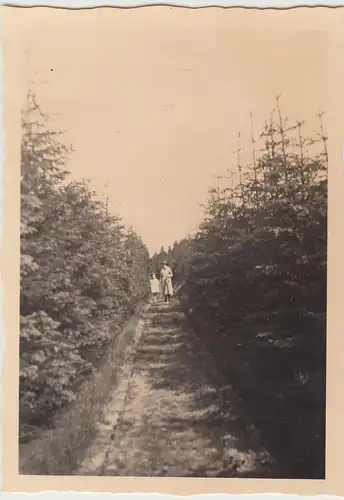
[(171, 414)]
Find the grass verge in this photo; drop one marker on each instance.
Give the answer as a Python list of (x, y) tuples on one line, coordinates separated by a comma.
[(60, 451)]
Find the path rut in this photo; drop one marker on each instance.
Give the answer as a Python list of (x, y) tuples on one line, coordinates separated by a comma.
[(171, 413)]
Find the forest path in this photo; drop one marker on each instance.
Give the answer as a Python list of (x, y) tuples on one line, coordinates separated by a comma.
[(171, 415)]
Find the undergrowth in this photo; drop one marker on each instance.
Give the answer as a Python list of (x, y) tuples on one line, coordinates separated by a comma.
[(60, 450)]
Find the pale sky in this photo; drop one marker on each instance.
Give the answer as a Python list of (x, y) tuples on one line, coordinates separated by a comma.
[(152, 99)]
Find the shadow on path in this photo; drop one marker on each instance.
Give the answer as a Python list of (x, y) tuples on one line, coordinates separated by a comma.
[(179, 419)]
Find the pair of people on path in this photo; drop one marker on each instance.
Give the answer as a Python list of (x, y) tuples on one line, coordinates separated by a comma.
[(166, 276)]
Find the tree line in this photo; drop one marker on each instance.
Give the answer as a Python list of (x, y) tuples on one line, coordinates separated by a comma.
[(177, 257), (82, 274), (256, 284)]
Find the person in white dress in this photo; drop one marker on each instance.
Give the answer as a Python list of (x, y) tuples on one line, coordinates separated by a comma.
[(154, 287), (166, 281)]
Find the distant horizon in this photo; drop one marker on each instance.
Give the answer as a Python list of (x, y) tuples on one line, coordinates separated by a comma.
[(156, 248)]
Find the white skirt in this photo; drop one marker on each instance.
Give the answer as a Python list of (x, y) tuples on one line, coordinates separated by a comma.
[(155, 286)]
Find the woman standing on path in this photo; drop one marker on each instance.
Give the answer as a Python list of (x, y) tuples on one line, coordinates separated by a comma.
[(154, 287), (166, 282)]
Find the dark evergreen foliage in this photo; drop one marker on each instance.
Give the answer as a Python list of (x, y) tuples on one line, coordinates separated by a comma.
[(82, 274), (256, 287)]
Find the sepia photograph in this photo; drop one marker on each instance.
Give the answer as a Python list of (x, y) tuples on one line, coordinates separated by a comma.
[(173, 244)]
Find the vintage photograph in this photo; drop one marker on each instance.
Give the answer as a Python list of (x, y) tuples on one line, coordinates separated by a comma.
[(173, 244)]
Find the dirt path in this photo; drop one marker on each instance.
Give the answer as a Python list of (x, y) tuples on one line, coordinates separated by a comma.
[(171, 414)]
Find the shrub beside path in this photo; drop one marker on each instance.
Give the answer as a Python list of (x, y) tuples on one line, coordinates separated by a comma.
[(171, 414)]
